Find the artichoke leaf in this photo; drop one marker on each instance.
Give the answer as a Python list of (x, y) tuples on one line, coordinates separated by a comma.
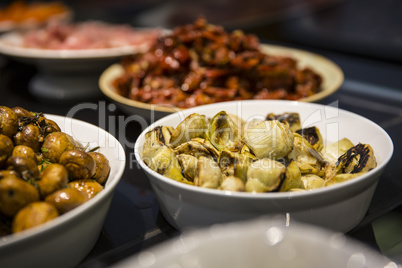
[(234, 164), (208, 173), (270, 139), (359, 158), (342, 177), (292, 119), (306, 157), (162, 159), (312, 181), (264, 175), (188, 164), (197, 147), (292, 179), (193, 126), (224, 133), (334, 150), (232, 183), (160, 134), (313, 136)]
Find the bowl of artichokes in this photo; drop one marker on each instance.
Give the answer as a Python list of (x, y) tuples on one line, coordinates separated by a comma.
[(239, 160), (57, 178)]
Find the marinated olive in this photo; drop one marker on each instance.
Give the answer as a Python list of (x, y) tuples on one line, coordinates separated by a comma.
[(32, 215), (15, 193), (54, 177), (79, 164), (55, 144), (31, 136), (102, 167), (25, 151), (6, 149), (24, 166), (66, 199), (89, 187), (8, 122), (21, 112), (5, 173)]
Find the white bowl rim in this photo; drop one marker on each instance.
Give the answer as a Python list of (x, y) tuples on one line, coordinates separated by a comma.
[(32, 233), (271, 195), (9, 49)]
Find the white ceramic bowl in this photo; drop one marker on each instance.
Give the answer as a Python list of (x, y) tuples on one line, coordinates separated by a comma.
[(66, 74), (339, 207), (331, 73), (259, 243), (66, 240)]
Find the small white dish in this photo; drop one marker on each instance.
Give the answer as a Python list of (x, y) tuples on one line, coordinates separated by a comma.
[(66, 240)]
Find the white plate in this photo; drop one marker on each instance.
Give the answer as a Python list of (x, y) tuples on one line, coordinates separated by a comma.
[(11, 44)]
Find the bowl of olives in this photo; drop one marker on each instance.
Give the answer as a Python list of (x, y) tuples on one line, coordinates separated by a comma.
[(57, 178), (239, 160)]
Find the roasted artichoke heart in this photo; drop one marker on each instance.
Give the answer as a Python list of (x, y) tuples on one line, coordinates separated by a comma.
[(193, 126), (224, 133), (292, 119), (275, 154), (359, 158), (264, 175), (271, 139), (313, 136)]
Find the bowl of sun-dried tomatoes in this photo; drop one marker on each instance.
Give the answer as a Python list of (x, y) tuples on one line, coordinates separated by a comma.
[(201, 63)]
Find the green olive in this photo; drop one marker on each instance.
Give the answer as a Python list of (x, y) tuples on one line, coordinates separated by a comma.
[(89, 187), (24, 166), (54, 177), (80, 165), (66, 199), (8, 122), (6, 149), (32, 215), (25, 151), (21, 112), (15, 193), (5, 173), (102, 167), (55, 144), (31, 136)]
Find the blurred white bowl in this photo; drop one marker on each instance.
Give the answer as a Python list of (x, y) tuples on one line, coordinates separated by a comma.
[(66, 240), (259, 243), (339, 207), (66, 74)]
